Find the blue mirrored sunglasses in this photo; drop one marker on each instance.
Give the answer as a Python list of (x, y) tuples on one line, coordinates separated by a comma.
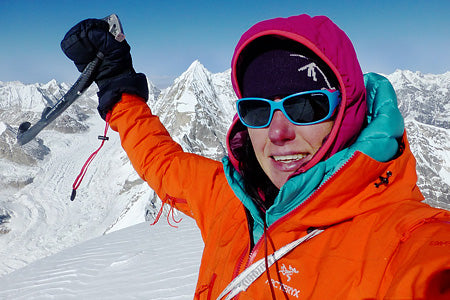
[(305, 108)]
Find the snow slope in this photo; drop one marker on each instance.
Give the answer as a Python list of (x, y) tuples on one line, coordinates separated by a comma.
[(138, 262)]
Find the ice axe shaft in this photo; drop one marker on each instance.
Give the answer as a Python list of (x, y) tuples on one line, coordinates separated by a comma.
[(27, 132)]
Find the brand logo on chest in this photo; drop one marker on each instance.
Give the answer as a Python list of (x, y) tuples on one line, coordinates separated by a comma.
[(288, 272)]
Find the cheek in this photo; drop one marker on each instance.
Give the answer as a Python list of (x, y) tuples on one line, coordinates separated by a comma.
[(258, 138), (315, 134)]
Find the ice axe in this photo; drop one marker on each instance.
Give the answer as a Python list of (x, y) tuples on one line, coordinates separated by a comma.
[(27, 132)]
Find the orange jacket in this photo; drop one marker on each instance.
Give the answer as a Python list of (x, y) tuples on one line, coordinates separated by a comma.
[(378, 243)]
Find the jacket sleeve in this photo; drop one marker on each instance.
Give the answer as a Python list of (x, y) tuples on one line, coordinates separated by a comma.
[(187, 181), (421, 267)]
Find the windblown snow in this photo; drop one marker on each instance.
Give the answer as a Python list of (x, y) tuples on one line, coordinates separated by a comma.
[(139, 262), (101, 246)]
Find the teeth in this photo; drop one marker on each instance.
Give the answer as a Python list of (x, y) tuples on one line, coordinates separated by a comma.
[(289, 158)]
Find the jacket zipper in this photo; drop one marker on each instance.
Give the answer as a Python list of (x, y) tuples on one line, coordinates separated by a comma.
[(255, 250), (240, 262)]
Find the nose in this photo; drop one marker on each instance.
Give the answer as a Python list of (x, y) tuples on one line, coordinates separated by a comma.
[(281, 130)]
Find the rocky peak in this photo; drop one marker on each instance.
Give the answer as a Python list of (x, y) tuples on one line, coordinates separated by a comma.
[(194, 111), (423, 97)]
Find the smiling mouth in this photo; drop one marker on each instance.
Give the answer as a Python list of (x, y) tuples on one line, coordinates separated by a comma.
[(288, 158)]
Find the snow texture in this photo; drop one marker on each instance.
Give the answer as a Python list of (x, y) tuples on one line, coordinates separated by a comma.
[(139, 262)]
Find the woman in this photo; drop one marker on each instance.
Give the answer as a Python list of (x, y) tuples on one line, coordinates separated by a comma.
[(319, 172)]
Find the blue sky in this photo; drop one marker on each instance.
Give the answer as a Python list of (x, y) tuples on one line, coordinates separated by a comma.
[(167, 36)]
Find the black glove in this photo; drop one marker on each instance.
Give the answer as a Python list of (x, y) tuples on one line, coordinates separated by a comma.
[(115, 75)]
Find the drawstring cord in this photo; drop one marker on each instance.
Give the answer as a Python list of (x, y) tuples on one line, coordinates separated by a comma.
[(83, 171), (266, 253), (267, 239), (171, 213)]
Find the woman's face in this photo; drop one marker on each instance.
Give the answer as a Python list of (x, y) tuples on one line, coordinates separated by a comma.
[(282, 147)]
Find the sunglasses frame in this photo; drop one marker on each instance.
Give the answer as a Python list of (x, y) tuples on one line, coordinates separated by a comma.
[(334, 99)]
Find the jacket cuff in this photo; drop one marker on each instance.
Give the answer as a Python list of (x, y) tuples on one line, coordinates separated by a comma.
[(110, 91)]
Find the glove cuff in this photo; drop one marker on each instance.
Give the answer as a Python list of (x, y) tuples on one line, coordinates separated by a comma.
[(111, 90)]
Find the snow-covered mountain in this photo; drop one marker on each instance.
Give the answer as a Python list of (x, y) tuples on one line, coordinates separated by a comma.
[(424, 100), (38, 219), (197, 110), (423, 97)]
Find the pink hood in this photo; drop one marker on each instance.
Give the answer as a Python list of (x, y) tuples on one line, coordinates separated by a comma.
[(333, 46)]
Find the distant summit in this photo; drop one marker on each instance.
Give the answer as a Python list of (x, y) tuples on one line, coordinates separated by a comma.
[(196, 111)]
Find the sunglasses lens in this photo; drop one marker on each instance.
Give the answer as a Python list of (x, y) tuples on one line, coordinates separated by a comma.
[(307, 108), (302, 109), (254, 112)]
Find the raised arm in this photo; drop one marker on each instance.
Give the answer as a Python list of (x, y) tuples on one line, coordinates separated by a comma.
[(187, 181)]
